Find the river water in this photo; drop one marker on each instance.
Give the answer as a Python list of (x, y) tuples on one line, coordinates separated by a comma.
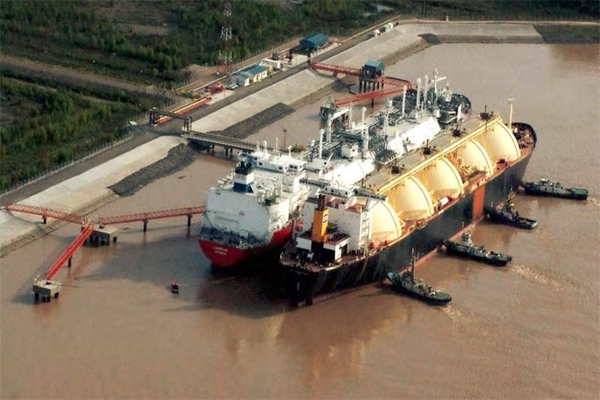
[(529, 330)]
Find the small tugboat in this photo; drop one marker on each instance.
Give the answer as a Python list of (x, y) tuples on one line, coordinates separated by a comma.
[(507, 214), (406, 282), (466, 248), (174, 286), (554, 189)]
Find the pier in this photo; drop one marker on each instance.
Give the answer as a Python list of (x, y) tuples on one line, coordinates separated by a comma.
[(210, 140), (45, 288)]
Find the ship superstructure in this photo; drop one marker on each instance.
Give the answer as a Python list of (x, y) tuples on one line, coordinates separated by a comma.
[(251, 212)]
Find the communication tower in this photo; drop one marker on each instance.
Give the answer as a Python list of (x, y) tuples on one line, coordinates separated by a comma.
[(225, 54)]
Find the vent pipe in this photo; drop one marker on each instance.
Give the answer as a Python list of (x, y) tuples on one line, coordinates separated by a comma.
[(418, 92), (350, 115), (510, 113), (404, 101), (365, 132), (425, 88), (328, 129), (321, 133)]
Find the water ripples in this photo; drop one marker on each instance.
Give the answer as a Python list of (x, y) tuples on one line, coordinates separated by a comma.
[(539, 277)]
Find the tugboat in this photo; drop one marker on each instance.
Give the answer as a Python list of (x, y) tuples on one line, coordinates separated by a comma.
[(507, 214), (554, 189), (406, 282), (470, 250)]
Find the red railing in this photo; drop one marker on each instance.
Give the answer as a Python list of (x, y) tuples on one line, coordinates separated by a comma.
[(336, 69), (368, 96), (48, 213), (66, 255), (146, 216)]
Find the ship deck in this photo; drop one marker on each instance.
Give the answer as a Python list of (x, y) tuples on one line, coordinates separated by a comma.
[(408, 163)]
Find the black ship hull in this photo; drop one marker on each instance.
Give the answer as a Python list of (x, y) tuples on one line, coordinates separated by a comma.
[(303, 285)]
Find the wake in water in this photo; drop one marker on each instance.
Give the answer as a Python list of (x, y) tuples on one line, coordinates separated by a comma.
[(595, 201), (456, 314), (537, 276)]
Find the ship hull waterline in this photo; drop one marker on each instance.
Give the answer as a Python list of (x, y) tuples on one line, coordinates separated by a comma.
[(227, 256), (303, 285)]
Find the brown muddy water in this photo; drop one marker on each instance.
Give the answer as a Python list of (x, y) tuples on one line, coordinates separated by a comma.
[(529, 330)]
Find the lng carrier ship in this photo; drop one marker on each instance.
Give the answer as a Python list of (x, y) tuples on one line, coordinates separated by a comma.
[(437, 168)]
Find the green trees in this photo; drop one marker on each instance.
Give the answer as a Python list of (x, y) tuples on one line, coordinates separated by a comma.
[(48, 30), (50, 127)]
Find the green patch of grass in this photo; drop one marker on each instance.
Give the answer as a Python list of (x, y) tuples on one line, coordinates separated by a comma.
[(569, 34)]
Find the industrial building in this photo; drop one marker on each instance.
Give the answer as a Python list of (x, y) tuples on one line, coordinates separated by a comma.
[(313, 42), (249, 75), (373, 68)]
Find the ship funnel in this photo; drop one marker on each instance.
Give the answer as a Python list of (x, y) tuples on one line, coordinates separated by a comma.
[(320, 221)]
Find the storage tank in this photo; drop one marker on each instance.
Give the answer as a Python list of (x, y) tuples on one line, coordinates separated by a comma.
[(472, 156), (442, 179), (500, 144), (385, 224), (411, 200)]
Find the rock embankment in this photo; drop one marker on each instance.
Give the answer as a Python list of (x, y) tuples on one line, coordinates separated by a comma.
[(249, 126), (178, 158)]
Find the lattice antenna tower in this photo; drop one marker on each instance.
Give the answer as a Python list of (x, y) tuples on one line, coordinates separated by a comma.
[(225, 53)]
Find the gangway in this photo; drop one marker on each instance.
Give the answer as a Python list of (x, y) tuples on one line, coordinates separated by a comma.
[(45, 287), (147, 216), (47, 213), (336, 69), (366, 80), (158, 117), (360, 72), (212, 139), (376, 94)]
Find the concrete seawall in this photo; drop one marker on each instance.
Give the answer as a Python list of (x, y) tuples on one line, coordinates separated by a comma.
[(90, 190)]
